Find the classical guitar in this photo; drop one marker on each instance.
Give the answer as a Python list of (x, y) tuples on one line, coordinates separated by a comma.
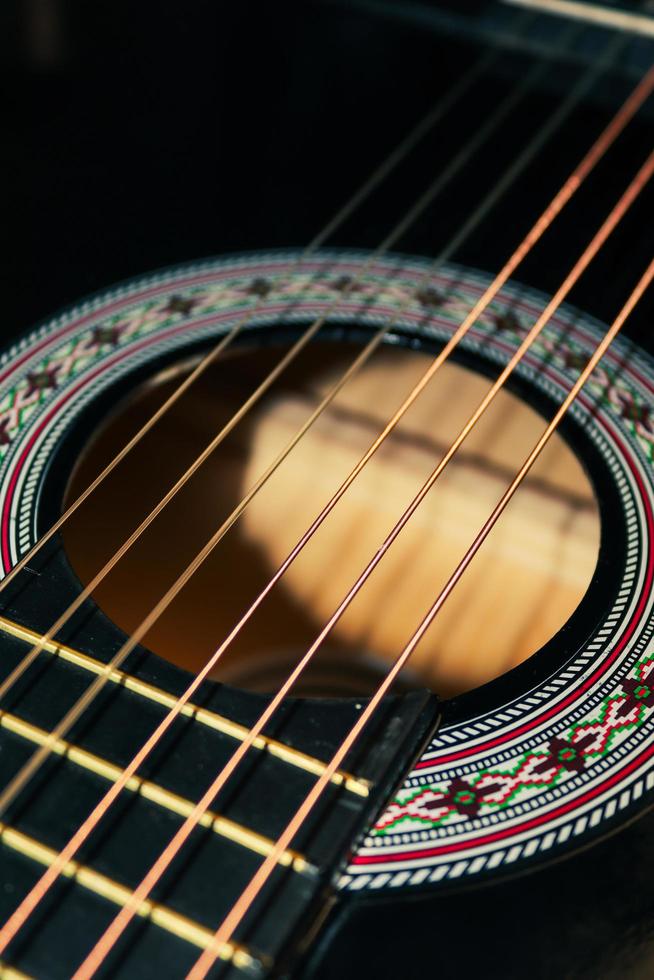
[(326, 608)]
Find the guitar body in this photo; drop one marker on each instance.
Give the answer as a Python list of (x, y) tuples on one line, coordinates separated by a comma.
[(495, 815)]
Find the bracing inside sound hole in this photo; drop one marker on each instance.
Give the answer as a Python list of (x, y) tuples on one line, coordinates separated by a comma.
[(523, 586)]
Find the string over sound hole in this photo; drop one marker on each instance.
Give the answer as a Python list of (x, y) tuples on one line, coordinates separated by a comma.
[(525, 583)]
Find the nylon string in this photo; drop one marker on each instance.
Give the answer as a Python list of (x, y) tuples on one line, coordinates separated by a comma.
[(403, 149), (561, 198), (127, 912), (38, 758), (399, 229), (241, 907)]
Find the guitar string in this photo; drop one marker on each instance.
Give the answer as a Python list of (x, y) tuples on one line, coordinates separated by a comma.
[(384, 170), (127, 912), (503, 184), (248, 896), (22, 777), (571, 185), (456, 163), (477, 216), (38, 758)]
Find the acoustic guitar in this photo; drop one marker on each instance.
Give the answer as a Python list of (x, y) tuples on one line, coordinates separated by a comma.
[(326, 609)]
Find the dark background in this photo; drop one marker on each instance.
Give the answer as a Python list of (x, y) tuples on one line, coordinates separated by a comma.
[(137, 135), (140, 134)]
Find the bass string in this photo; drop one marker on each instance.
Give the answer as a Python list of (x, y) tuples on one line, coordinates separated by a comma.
[(21, 778), (113, 932), (384, 170), (595, 153), (453, 167), (226, 930), (422, 203)]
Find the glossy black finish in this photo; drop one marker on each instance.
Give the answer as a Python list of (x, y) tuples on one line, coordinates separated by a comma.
[(151, 137), (154, 134), (590, 916), (262, 797), (564, 645)]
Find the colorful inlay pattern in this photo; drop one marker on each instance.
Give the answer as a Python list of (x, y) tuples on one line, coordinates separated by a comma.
[(528, 779), (496, 788)]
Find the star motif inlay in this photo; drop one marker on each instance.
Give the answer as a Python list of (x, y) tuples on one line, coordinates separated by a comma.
[(5, 438), (106, 335), (346, 284), (180, 304), (259, 287), (464, 798), (566, 755), (41, 380), (430, 297), (574, 361), (634, 411), (507, 321)]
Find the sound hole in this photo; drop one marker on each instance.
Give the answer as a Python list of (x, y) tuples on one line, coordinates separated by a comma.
[(524, 584)]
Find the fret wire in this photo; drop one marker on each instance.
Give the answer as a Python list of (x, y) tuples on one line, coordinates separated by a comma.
[(206, 717), (434, 188), (104, 945), (249, 895), (11, 973), (479, 137), (377, 177), (569, 187), (154, 793), (162, 916), (27, 772)]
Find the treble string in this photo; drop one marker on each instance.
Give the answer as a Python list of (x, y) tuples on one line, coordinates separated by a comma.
[(580, 173), (38, 758), (231, 922), (384, 170), (394, 235), (459, 160), (530, 151), (126, 913)]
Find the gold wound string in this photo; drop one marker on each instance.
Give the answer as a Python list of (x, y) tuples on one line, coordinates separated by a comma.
[(568, 189), (458, 161), (241, 907), (384, 170), (31, 767), (267, 383), (124, 916)]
